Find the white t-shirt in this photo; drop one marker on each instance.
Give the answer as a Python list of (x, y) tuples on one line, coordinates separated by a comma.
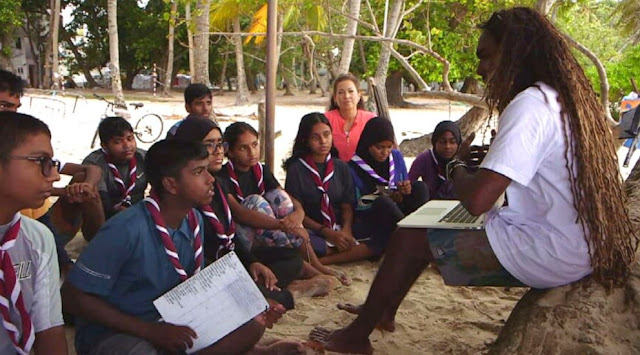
[(36, 264), (536, 237)]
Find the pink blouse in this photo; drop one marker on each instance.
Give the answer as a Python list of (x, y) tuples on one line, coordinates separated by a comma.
[(346, 142)]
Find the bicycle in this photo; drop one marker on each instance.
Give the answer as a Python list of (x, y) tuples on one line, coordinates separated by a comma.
[(147, 129)]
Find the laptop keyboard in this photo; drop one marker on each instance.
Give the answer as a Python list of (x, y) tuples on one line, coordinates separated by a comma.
[(459, 215)]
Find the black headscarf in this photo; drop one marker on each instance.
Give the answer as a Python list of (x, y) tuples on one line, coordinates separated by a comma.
[(441, 128), (195, 128), (377, 130)]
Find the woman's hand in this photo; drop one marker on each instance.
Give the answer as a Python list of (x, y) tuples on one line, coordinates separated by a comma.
[(404, 187), (342, 241), (258, 270)]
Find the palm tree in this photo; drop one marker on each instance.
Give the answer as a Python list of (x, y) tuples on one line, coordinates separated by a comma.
[(225, 14), (352, 29), (172, 25), (55, 28), (114, 53), (201, 43), (192, 64)]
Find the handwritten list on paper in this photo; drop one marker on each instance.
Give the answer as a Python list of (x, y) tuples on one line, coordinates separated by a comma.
[(214, 302)]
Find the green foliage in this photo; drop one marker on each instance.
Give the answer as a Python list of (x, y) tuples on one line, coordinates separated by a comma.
[(142, 34), (591, 23), (10, 17), (449, 28)]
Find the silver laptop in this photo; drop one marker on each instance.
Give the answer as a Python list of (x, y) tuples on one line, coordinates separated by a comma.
[(442, 214)]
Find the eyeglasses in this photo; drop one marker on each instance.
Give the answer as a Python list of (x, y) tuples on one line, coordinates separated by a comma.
[(46, 163), (212, 147)]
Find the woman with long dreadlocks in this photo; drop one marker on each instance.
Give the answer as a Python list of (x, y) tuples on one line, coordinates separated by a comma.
[(554, 157)]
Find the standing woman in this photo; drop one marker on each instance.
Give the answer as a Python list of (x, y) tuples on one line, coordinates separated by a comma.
[(383, 191), (346, 115), (329, 207), (430, 164)]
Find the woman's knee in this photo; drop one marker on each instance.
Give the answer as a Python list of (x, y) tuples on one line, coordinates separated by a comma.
[(258, 203), (385, 211), (280, 202)]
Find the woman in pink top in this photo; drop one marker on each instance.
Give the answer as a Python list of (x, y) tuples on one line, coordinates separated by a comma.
[(347, 115)]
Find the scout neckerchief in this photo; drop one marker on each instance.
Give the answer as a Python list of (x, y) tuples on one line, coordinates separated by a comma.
[(11, 296), (369, 170), (322, 183), (226, 238), (258, 173), (169, 247), (125, 189)]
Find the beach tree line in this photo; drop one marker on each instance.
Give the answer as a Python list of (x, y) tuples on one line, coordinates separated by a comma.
[(428, 44)]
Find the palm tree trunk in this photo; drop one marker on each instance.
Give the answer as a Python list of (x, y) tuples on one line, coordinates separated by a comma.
[(55, 27), (201, 41), (242, 96), (192, 64), (223, 73), (352, 29), (169, 70), (114, 52)]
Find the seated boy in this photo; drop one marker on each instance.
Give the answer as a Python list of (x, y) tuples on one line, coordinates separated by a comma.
[(197, 102), (27, 250), (122, 163), (79, 204), (126, 266)]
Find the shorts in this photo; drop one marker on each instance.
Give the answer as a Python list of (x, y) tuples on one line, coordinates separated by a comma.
[(465, 258)]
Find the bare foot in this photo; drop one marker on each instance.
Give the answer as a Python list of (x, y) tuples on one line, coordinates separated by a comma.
[(341, 341), (318, 286), (342, 277), (280, 347), (387, 324), (311, 269)]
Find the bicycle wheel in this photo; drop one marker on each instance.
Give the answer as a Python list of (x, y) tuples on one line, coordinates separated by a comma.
[(149, 128)]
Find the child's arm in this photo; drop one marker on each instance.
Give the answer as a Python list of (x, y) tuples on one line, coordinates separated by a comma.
[(295, 218), (251, 218), (51, 341), (166, 336)]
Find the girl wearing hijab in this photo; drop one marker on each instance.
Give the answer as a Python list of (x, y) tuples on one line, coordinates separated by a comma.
[(384, 193), (323, 184), (274, 269), (430, 165)]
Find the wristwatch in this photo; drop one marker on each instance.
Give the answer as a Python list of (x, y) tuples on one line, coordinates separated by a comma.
[(452, 165)]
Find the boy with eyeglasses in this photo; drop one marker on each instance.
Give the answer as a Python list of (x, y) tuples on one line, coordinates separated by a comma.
[(79, 202), (30, 305), (123, 181)]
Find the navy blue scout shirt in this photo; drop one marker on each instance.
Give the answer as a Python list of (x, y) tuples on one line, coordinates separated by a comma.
[(126, 265), (109, 189), (301, 186)]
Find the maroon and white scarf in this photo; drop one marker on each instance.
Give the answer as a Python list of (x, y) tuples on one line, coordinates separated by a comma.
[(169, 247), (226, 237), (322, 184), (258, 173), (125, 189), (11, 295)]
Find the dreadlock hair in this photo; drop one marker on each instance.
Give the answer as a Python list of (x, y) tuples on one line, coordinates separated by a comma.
[(534, 50)]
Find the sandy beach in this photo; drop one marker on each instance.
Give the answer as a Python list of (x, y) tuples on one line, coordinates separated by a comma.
[(433, 319)]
